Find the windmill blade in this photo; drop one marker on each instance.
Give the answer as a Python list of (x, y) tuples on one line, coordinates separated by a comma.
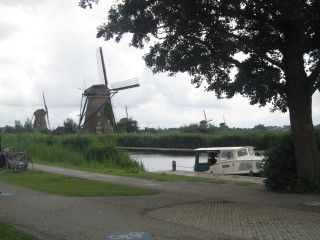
[(129, 83), (44, 102), (46, 109), (82, 109), (205, 117), (32, 117), (113, 116), (127, 112), (101, 66), (48, 120)]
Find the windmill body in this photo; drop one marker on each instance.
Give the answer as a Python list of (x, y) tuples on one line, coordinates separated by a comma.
[(205, 121), (40, 122), (97, 97), (41, 117)]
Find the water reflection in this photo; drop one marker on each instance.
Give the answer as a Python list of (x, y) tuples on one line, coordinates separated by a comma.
[(154, 162)]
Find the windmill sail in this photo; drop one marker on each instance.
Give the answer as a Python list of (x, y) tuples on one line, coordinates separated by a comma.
[(103, 78), (130, 83), (46, 109), (101, 67)]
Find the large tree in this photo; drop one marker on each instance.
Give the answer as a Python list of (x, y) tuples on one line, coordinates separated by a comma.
[(279, 41)]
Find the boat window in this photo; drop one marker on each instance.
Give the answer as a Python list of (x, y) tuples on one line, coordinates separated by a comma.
[(251, 152), (242, 152), (203, 157), (212, 158), (226, 156)]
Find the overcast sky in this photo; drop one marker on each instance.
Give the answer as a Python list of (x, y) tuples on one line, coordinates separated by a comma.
[(50, 46)]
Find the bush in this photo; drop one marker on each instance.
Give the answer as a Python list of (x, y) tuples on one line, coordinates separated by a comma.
[(100, 153), (108, 155), (76, 142), (261, 140), (280, 169)]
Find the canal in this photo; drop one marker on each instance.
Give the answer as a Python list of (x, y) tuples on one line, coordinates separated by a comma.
[(154, 161)]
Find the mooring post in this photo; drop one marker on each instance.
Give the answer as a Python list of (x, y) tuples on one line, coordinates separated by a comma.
[(174, 165)]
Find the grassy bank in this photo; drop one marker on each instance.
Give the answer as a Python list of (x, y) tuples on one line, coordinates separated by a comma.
[(97, 153), (85, 151), (71, 187), (101, 152)]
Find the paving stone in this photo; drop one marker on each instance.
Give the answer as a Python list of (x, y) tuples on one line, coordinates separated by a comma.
[(243, 220)]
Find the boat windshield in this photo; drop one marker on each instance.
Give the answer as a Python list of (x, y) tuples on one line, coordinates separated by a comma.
[(251, 152), (203, 157), (226, 155), (242, 152)]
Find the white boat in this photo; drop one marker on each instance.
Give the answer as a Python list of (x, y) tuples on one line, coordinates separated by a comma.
[(228, 160)]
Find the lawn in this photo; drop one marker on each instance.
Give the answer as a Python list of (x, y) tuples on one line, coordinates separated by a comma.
[(7, 232), (71, 187)]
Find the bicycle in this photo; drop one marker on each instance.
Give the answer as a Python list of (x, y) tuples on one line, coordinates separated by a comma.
[(16, 161)]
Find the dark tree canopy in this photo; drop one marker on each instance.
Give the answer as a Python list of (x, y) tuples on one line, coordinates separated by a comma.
[(203, 38), (273, 45), (70, 124), (128, 125)]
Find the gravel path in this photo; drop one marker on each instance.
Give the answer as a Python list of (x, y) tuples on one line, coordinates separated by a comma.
[(180, 211)]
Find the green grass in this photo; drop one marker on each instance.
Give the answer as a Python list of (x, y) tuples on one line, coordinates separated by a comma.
[(173, 177), (71, 187), (152, 175), (7, 232)]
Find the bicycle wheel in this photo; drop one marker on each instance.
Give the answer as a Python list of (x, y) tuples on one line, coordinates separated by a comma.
[(3, 167), (25, 166)]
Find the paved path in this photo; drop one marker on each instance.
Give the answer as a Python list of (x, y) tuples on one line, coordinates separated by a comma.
[(180, 211)]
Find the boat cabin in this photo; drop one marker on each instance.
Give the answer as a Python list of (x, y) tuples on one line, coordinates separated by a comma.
[(228, 160)]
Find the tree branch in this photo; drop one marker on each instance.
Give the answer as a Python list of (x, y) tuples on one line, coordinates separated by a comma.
[(255, 49), (314, 78)]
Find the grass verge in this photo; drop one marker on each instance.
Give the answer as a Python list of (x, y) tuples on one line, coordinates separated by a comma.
[(151, 175), (7, 232), (71, 187)]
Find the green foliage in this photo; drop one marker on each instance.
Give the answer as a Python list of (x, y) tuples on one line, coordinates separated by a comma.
[(70, 124), (108, 155), (197, 37), (280, 169), (128, 125), (91, 151), (196, 128), (76, 142), (28, 126), (100, 153), (18, 126), (260, 127), (72, 187), (261, 140), (8, 232)]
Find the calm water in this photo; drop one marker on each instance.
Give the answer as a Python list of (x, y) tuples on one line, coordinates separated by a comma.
[(154, 162)]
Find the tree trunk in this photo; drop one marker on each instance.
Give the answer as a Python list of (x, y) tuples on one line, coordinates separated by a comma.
[(305, 145), (299, 96)]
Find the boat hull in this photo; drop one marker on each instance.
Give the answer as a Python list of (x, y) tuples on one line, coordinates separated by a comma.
[(228, 160)]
